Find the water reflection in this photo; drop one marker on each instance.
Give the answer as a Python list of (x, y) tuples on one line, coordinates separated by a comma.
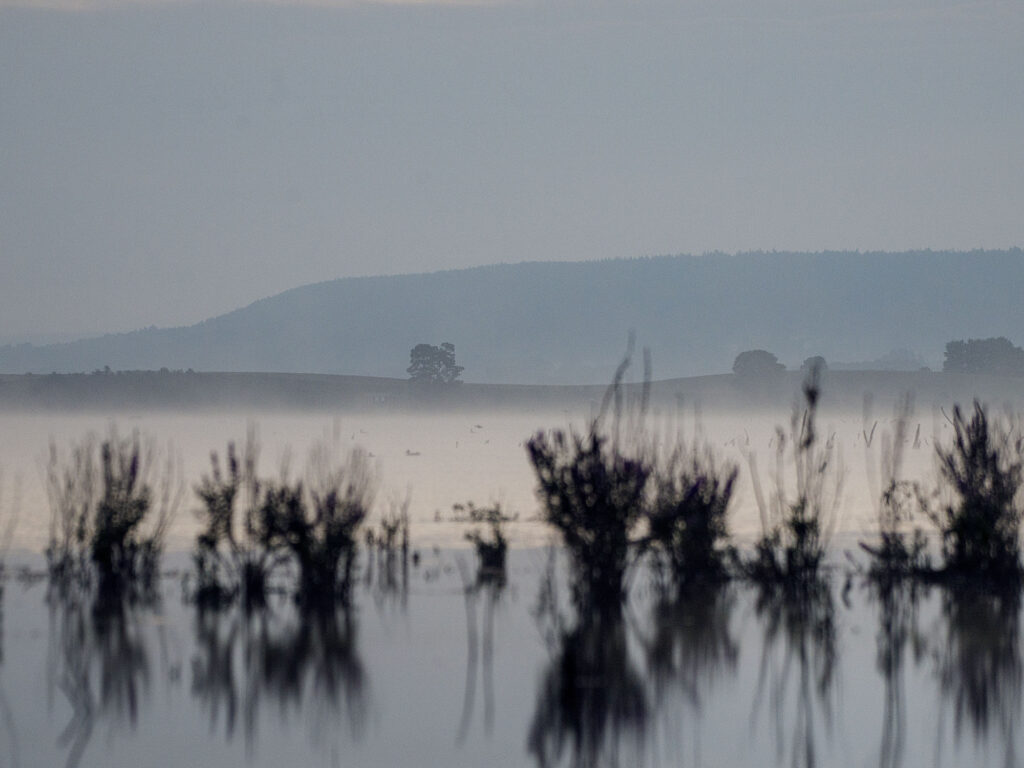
[(692, 642), (898, 609), (979, 662), (592, 704), (8, 729), (99, 661), (799, 649), (489, 586), (591, 697), (305, 661)]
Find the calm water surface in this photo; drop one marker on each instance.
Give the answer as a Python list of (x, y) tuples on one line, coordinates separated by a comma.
[(432, 667)]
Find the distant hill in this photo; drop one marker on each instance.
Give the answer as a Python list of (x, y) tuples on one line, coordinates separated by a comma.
[(567, 322)]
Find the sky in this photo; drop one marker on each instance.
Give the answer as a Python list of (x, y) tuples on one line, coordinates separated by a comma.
[(165, 162)]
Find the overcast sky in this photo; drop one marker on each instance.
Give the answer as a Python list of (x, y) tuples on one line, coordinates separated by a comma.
[(161, 163)]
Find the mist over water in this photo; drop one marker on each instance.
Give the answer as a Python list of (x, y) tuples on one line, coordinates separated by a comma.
[(441, 458)]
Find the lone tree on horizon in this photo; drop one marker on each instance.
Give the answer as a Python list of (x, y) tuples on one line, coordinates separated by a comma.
[(434, 365), (756, 363)]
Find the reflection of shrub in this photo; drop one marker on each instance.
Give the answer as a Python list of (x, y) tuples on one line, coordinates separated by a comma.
[(984, 470), (109, 513), (591, 697), (796, 531), (687, 515)]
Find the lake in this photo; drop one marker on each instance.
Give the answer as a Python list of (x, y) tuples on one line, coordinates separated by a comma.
[(432, 666)]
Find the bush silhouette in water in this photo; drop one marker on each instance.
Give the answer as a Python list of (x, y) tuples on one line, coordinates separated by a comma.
[(687, 516), (984, 470), (796, 531), (490, 551), (319, 528), (313, 525), (236, 551), (593, 495), (110, 507), (595, 487)]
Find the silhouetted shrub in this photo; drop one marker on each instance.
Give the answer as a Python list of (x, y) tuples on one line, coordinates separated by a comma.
[(593, 495), (984, 471), (237, 549), (686, 518), (595, 488), (320, 528), (253, 526), (490, 551), (796, 531), (99, 504)]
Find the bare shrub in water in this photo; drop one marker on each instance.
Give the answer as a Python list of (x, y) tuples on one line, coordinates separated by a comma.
[(253, 526), (593, 494), (490, 551), (983, 471), (796, 531), (110, 505), (600, 486), (320, 528), (236, 551), (687, 515)]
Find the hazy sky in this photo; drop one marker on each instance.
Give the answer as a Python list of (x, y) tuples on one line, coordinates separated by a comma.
[(161, 163)]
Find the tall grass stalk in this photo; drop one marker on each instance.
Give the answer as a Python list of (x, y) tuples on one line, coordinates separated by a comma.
[(796, 529), (897, 551)]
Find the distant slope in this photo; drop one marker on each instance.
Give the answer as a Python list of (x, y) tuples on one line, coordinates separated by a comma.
[(567, 322)]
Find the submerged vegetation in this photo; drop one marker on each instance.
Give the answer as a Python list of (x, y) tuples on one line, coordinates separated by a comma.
[(975, 509), (490, 549), (111, 502), (602, 487), (255, 526), (796, 530), (983, 470), (687, 516)]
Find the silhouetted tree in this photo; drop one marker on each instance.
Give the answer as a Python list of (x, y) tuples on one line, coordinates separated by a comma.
[(755, 363), (995, 355), (428, 363)]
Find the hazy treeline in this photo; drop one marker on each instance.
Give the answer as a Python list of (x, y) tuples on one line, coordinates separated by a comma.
[(564, 322)]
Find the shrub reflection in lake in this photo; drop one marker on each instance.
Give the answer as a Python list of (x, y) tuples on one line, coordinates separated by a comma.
[(692, 641), (898, 607), (798, 619), (979, 662), (306, 660), (591, 693), (104, 642)]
